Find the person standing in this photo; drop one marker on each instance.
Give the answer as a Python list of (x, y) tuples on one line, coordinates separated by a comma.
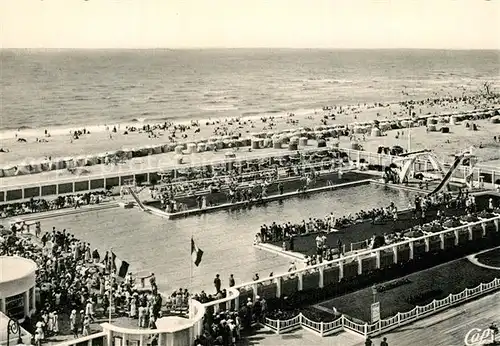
[(73, 323), (384, 342), (89, 310), (231, 280), (217, 283), (86, 326), (339, 247), (56, 323)]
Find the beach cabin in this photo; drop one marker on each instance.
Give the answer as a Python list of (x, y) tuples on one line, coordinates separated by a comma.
[(127, 153), (277, 144), (201, 147), (157, 149), (9, 171), (36, 167), (69, 162), (80, 161), (91, 160), (191, 148), (376, 132), (23, 169)]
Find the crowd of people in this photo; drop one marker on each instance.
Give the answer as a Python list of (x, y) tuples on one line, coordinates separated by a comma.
[(74, 286), (73, 280), (321, 227), (287, 230), (231, 186), (224, 328), (37, 205)]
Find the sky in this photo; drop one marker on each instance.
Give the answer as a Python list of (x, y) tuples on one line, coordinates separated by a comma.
[(433, 24)]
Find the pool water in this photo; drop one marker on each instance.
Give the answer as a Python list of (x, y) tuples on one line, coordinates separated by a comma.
[(154, 244)]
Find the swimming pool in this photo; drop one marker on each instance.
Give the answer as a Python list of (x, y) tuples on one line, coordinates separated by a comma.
[(154, 244)]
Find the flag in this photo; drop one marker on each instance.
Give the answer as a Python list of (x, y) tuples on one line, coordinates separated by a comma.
[(196, 253), (107, 263), (120, 267)]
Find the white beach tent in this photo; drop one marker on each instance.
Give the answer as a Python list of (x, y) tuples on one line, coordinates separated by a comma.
[(101, 158), (191, 148), (201, 147), (157, 149), (36, 166), (495, 120), (268, 142), (128, 153), (46, 165), (69, 162), (91, 160), (179, 149), (57, 163), (376, 132), (80, 161), (255, 143), (23, 169)]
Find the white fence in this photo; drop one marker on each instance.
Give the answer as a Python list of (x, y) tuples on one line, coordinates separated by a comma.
[(385, 325)]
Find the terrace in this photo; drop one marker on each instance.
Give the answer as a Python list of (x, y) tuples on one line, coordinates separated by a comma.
[(356, 237)]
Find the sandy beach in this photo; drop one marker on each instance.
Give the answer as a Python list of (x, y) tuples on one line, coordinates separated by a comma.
[(102, 139)]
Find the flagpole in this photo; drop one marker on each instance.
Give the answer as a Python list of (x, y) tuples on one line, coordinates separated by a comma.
[(110, 260), (190, 307)]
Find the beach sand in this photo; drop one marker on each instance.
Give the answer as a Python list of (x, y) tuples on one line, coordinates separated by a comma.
[(443, 144), (61, 145)]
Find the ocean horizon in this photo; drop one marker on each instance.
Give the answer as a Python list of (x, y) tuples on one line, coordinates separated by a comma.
[(73, 88)]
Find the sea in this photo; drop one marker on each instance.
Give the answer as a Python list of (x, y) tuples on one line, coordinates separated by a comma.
[(68, 89)]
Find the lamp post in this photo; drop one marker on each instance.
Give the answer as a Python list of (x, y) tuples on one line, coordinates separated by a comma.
[(14, 328)]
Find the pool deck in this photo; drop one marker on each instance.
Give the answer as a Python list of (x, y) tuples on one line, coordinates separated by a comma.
[(305, 244)]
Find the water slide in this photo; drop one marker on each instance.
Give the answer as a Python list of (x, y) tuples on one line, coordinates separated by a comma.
[(448, 175), (136, 198)]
